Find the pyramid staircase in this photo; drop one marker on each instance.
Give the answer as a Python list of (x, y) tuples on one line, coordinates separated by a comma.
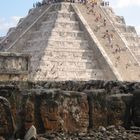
[(123, 59), (128, 33)]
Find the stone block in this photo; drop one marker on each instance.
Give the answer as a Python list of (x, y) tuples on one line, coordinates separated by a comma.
[(136, 108), (13, 66), (56, 110), (11, 93), (6, 119), (119, 109), (97, 107)]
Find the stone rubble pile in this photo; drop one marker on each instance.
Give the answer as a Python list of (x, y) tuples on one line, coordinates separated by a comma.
[(102, 133)]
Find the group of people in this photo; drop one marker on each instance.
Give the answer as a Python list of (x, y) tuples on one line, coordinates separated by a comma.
[(38, 4), (102, 22), (108, 34)]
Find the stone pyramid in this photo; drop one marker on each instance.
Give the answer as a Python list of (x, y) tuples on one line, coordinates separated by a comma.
[(66, 42)]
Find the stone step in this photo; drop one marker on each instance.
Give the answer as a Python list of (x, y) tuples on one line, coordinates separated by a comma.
[(61, 36), (54, 50), (125, 28), (63, 14), (69, 25), (131, 39), (41, 78), (62, 57), (68, 64), (57, 41), (66, 79), (65, 5), (119, 19), (129, 34), (134, 47), (47, 43), (60, 45), (61, 60), (63, 66), (59, 33), (53, 46), (121, 27), (134, 44), (68, 71), (137, 53), (71, 44), (61, 6), (70, 74)]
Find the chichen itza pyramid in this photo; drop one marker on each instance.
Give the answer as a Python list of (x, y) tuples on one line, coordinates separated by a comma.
[(70, 71), (66, 42)]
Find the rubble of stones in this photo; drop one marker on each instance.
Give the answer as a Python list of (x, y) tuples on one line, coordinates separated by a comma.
[(111, 87), (102, 133)]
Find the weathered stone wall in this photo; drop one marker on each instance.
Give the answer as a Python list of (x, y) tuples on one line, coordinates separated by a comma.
[(72, 106), (13, 66)]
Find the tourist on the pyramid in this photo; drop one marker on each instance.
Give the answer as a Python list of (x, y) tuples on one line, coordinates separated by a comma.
[(91, 7), (83, 1), (109, 37), (104, 23), (128, 65), (107, 3), (45, 2), (98, 17), (93, 3), (97, 28), (117, 49), (72, 1), (33, 5), (102, 3), (38, 4)]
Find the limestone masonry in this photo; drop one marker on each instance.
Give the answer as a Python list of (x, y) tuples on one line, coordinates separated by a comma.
[(70, 68), (70, 107), (66, 43)]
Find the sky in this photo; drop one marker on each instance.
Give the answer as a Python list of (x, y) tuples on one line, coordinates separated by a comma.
[(12, 10)]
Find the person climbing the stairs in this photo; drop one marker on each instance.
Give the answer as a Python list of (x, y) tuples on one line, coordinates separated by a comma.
[(109, 36)]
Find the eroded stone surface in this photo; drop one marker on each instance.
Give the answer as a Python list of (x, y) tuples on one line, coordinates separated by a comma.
[(72, 106), (6, 119), (97, 108), (58, 110), (119, 109), (13, 66), (136, 108)]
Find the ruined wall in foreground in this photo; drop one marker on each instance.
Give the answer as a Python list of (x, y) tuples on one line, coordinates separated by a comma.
[(69, 106)]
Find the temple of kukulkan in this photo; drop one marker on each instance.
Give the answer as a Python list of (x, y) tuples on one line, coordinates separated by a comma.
[(66, 41), (70, 67)]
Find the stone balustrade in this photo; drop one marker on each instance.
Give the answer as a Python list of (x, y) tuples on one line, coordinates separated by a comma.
[(13, 66)]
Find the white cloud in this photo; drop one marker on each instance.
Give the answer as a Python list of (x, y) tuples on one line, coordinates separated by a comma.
[(125, 3), (5, 24)]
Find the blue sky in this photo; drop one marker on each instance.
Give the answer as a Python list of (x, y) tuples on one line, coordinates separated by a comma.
[(130, 9), (12, 10)]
